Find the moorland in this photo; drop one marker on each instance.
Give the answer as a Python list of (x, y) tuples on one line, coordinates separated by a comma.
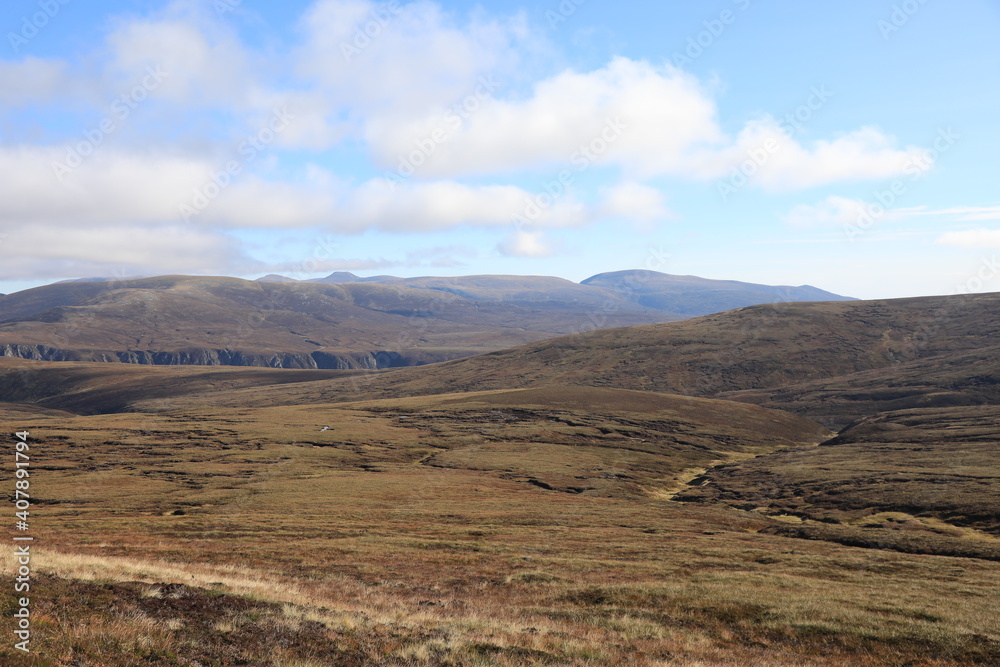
[(808, 483)]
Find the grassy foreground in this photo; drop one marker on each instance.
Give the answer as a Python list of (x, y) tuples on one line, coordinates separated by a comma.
[(414, 533)]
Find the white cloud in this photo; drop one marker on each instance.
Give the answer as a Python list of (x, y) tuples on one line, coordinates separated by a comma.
[(396, 86), (70, 249), (397, 57), (179, 66), (973, 238), (523, 243), (255, 202), (447, 204), (106, 187), (647, 120), (33, 81), (837, 211), (111, 187), (205, 64), (966, 213), (314, 127), (777, 162), (635, 202), (831, 212), (656, 118), (114, 187)]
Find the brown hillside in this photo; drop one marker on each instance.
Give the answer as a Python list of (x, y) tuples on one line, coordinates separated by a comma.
[(227, 321), (760, 347)]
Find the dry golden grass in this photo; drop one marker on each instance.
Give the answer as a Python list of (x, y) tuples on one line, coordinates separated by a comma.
[(171, 538)]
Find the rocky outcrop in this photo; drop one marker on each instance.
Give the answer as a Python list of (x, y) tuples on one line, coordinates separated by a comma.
[(227, 357), (39, 353)]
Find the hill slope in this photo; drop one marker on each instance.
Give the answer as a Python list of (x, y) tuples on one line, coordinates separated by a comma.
[(228, 321), (755, 348)]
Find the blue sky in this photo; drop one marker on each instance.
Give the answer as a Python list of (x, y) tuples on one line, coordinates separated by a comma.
[(851, 146)]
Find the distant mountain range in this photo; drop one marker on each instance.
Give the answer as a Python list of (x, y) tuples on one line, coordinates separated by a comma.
[(691, 295), (343, 321), (679, 295)]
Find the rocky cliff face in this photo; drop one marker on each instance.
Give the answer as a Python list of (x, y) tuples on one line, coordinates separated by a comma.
[(226, 357)]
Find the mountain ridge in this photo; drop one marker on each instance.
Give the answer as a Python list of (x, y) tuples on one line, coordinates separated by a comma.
[(341, 322), (683, 294)]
